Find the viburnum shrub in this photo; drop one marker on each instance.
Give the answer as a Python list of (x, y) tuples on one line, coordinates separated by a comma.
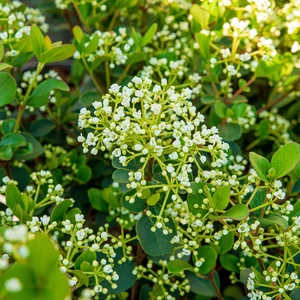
[(153, 154)]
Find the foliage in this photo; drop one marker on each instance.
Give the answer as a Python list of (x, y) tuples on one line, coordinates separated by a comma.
[(152, 154)]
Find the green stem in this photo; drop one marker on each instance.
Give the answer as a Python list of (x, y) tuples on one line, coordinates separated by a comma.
[(26, 97), (107, 74), (96, 83)]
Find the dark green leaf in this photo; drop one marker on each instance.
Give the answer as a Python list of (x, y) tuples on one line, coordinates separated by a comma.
[(226, 242), (121, 176), (229, 262), (220, 109), (14, 140), (8, 126), (86, 256), (84, 173), (41, 127), (274, 219), (154, 243), (96, 199)]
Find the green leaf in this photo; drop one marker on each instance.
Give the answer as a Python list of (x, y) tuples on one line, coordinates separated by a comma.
[(261, 165), (220, 198), (60, 210), (41, 127), (6, 153), (136, 57), (8, 126), (229, 262), (4, 66), (126, 278), (86, 256), (1, 51), (13, 196), (8, 88), (286, 158), (121, 176), (201, 15), (14, 140), (201, 286), (39, 96), (146, 39), (153, 199), (154, 243), (208, 99), (295, 294), (84, 173), (230, 132), (226, 242), (204, 42), (237, 212), (274, 219), (57, 54), (220, 109), (37, 148), (92, 45), (37, 41), (96, 199), (78, 33), (210, 256), (137, 206), (258, 199), (178, 265), (21, 214), (195, 199)]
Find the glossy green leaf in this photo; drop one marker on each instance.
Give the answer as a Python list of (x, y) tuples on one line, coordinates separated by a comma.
[(13, 196), (204, 42), (37, 41), (41, 127), (147, 38), (8, 88), (6, 153), (230, 132), (178, 265), (60, 210), (39, 96), (286, 158), (220, 109), (220, 198), (229, 262), (8, 126), (121, 176), (154, 243), (274, 219), (261, 165), (210, 256), (86, 256), (57, 54), (36, 148), (21, 214), (84, 173), (96, 199), (226, 242), (14, 140), (201, 286), (237, 212)]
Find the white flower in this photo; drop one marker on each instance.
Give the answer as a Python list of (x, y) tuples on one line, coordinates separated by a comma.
[(45, 220), (13, 285), (156, 108)]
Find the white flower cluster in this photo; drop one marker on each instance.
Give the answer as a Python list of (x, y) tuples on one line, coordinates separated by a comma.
[(114, 46), (248, 119), (16, 21), (278, 126), (63, 4)]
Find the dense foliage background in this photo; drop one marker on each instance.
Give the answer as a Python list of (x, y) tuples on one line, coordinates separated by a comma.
[(153, 153)]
